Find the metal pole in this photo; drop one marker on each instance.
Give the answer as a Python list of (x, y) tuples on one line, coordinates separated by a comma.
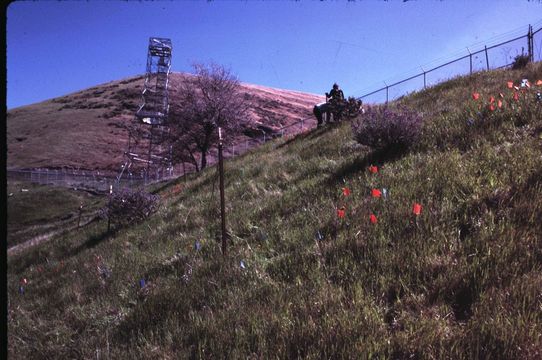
[(470, 59), (109, 206), (532, 44), (424, 83), (222, 200), (487, 58)]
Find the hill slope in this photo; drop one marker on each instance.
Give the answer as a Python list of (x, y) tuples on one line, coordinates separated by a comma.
[(460, 280), (84, 129)]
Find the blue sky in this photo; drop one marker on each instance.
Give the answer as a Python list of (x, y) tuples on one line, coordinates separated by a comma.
[(55, 48)]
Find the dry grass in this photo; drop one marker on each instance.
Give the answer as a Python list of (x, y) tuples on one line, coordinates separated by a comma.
[(85, 129)]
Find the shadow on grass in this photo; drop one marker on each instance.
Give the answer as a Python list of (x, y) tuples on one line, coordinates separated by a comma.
[(377, 157), (93, 241), (305, 135)]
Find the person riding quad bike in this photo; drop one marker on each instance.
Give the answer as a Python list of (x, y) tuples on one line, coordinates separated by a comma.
[(335, 94), (336, 101)]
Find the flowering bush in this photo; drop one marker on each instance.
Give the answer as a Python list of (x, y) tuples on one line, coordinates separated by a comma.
[(384, 127), (126, 207)]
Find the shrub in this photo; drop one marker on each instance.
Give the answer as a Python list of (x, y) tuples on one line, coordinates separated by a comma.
[(383, 127), (126, 207), (520, 61)]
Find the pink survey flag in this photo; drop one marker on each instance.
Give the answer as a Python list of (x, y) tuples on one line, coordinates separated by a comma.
[(376, 193), (475, 95), (417, 209), (373, 169), (510, 84), (346, 191)]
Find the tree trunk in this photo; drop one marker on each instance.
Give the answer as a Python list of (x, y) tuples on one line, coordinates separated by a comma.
[(203, 159)]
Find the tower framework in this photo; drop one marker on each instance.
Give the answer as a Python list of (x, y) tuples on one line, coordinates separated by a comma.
[(148, 145)]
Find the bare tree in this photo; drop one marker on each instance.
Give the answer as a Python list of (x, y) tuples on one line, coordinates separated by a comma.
[(209, 100)]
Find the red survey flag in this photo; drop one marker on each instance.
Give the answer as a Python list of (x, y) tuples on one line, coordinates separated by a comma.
[(475, 95), (373, 169), (417, 209), (376, 193), (510, 84), (373, 219), (499, 104), (340, 213), (491, 107), (491, 100), (346, 191)]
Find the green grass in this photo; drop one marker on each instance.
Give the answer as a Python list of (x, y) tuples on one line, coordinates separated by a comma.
[(462, 280), (35, 209)]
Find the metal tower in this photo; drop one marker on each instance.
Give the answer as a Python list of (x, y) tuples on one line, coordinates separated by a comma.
[(147, 142)]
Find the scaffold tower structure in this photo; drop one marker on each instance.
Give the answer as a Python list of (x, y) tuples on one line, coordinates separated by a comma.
[(148, 148)]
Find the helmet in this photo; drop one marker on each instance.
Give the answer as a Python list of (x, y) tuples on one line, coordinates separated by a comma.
[(335, 86)]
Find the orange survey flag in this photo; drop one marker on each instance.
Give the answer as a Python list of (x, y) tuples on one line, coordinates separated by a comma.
[(417, 209), (510, 84)]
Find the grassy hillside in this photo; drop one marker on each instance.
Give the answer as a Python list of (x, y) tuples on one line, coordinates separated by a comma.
[(460, 280), (86, 129), (35, 210)]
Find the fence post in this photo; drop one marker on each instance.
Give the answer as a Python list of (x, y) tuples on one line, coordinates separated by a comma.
[(530, 41), (424, 83), (470, 60), (487, 58)]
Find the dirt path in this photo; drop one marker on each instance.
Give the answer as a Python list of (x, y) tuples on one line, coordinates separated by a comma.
[(47, 236)]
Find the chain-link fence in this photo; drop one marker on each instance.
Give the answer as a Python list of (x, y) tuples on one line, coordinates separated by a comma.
[(103, 180), (489, 57)]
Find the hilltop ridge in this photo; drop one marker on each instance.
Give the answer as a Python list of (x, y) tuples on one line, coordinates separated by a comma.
[(85, 129)]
